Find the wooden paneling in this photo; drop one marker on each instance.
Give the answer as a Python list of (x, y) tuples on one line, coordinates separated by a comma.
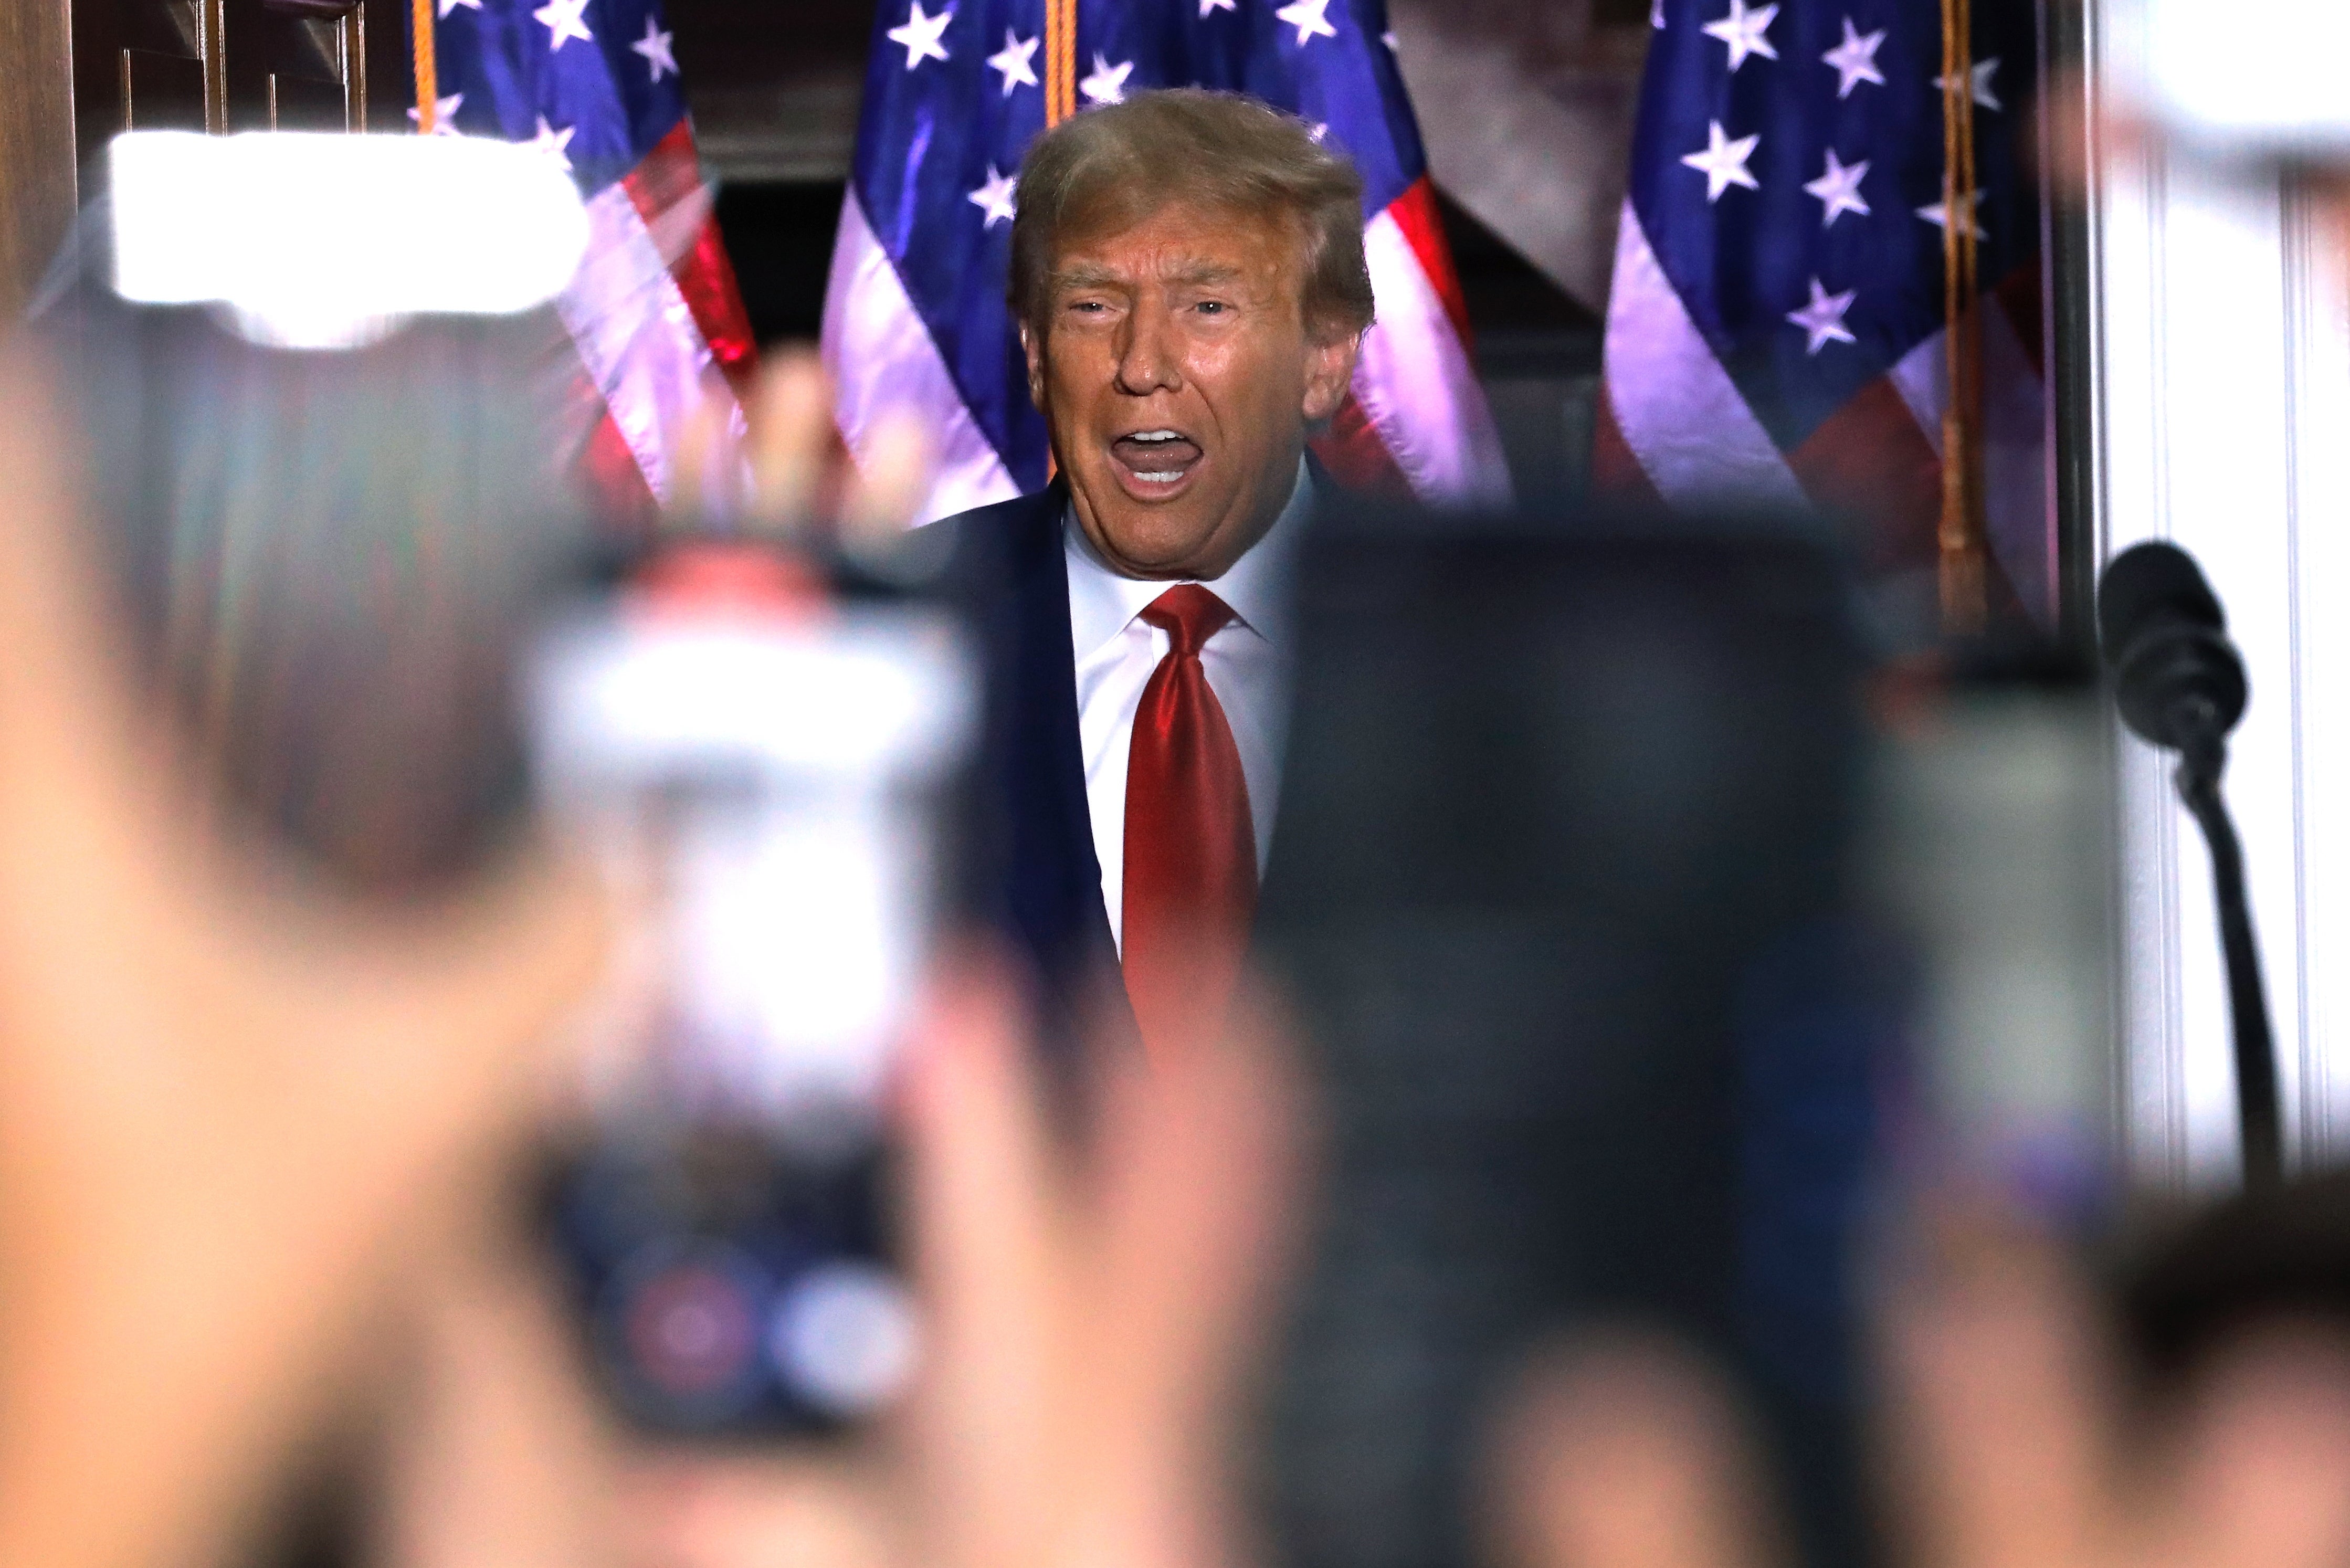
[(75, 72), (36, 143), (295, 65), (242, 65), (774, 101), (146, 65), (162, 92)]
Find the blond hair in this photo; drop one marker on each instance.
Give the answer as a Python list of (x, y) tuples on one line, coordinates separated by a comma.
[(1109, 167)]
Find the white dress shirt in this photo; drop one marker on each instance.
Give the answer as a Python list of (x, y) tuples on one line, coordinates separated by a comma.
[(1247, 664)]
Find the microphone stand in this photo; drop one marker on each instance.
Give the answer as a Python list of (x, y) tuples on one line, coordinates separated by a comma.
[(2201, 762)]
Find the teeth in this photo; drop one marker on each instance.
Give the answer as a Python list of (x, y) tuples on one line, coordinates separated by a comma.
[(1160, 478), (1156, 435)]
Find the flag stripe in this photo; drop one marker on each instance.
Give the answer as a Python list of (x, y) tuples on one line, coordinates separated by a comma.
[(1681, 416), (1358, 461), (1869, 462), (1615, 472), (705, 276), (2018, 295), (667, 191), (637, 337), (616, 480), (881, 356), (1416, 214), (1415, 381)]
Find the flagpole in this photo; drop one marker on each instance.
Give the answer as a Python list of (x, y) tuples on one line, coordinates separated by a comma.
[(428, 71), (1060, 60), (1960, 534)]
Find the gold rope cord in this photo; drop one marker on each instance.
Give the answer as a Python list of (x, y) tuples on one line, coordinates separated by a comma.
[(1060, 89), (1960, 534), (427, 67), (1060, 60)]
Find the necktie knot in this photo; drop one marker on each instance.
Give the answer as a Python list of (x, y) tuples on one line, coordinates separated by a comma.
[(1189, 615)]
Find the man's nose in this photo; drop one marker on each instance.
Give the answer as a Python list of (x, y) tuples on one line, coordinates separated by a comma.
[(1147, 360)]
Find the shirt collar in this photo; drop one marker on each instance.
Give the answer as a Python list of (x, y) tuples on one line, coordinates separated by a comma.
[(1102, 602)]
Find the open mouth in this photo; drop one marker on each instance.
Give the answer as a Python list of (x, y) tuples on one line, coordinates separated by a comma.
[(1155, 461)]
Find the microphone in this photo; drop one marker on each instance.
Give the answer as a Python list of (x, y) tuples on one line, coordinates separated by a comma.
[(2180, 683), (2177, 679)]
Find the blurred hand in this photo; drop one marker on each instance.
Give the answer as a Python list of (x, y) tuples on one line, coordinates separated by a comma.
[(2008, 1439), (229, 1106), (800, 476), (489, 1444), (1094, 1312)]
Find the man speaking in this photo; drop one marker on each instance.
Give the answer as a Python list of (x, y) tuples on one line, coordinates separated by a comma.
[(1187, 274)]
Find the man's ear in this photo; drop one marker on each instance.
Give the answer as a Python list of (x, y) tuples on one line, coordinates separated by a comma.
[(1329, 371), (1032, 344)]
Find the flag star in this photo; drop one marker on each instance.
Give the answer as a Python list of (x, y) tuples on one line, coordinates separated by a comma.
[(994, 198), (1839, 187), (1310, 17), (552, 142), (1823, 319), (1656, 12), (1014, 59), (1321, 128), (1743, 31), (1208, 6), (655, 48), (448, 5), (1981, 77), (1108, 83), (564, 21), (1390, 40), (921, 35), (1723, 161), (444, 114), (1940, 219), (1855, 59)]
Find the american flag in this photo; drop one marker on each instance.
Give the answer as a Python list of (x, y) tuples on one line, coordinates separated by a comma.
[(1776, 329), (655, 311), (915, 315)]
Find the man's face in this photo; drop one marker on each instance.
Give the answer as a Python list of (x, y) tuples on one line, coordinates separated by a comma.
[(1177, 375)]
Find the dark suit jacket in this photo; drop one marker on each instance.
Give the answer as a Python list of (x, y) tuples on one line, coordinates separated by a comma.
[(1032, 874)]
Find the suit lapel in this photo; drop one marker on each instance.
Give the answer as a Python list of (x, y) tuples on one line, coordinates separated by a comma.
[(1056, 877)]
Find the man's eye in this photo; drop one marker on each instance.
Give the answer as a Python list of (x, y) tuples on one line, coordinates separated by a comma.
[(1212, 308)]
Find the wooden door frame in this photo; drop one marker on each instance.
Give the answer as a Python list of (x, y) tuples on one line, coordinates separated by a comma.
[(37, 185), (40, 147)]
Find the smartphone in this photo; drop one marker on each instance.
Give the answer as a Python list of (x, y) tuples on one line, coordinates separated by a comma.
[(765, 766), (1641, 953), (333, 462)]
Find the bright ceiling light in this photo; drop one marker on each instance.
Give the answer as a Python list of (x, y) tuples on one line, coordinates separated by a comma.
[(327, 241)]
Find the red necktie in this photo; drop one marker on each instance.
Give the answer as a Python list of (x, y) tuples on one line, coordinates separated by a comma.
[(1190, 844)]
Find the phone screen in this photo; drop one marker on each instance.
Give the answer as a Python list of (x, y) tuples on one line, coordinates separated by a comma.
[(763, 770)]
